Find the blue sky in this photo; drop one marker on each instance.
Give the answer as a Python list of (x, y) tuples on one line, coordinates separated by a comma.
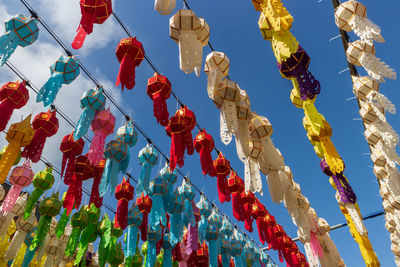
[(233, 30)]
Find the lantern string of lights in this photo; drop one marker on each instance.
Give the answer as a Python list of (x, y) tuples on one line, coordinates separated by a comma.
[(119, 107)]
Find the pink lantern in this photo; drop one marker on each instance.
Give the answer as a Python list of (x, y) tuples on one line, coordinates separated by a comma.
[(21, 176), (102, 125)]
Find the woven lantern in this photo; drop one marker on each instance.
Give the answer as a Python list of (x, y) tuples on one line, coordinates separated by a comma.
[(128, 134), (93, 12), (371, 112), (70, 149), (148, 158), (236, 187), (79, 221), (64, 71), (217, 68), (13, 95), (159, 90), (144, 204), (204, 145), (123, 193), (130, 54), (222, 168), (94, 195), (164, 7), (191, 34), (19, 178), (360, 53), (20, 31), (92, 101), (180, 128), (19, 135)]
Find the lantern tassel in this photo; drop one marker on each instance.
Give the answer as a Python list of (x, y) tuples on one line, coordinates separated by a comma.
[(143, 227), (33, 151), (67, 165), (19, 257), (160, 109), (225, 259), (151, 254), (6, 110), (237, 207), (157, 213), (167, 259), (189, 47), (144, 180), (82, 127), (94, 195), (15, 244), (252, 177), (42, 230), (121, 216), (10, 199), (8, 44), (376, 68), (213, 253), (202, 228), (85, 27), (366, 29), (111, 169), (275, 187), (177, 151), (48, 92), (73, 241), (32, 200), (260, 230), (126, 74), (176, 232), (62, 223), (7, 160), (73, 197), (192, 239), (29, 255), (223, 190), (95, 154), (188, 214), (131, 241)]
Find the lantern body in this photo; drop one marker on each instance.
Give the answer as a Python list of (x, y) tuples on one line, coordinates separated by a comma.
[(128, 134), (164, 7), (217, 68), (159, 90), (70, 149), (204, 145), (222, 169), (124, 193)]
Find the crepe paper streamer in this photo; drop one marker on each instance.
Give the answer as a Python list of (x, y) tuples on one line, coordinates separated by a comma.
[(104, 229), (352, 16), (153, 236), (123, 193), (93, 12), (180, 128), (45, 125), (20, 31), (49, 208), (157, 189), (115, 153), (102, 125), (164, 7), (79, 221), (186, 190), (42, 181), (130, 53), (159, 90), (92, 101), (135, 218), (18, 135), (83, 171), (70, 149), (94, 194), (212, 236), (222, 169), (236, 187), (20, 177), (144, 204), (89, 234), (64, 71), (148, 158), (176, 223), (204, 145), (13, 95), (217, 68), (170, 177)]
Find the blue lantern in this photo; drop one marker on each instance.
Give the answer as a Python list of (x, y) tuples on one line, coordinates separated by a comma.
[(135, 218), (170, 177), (167, 246), (188, 195), (148, 158), (205, 212), (176, 219), (153, 236), (158, 188)]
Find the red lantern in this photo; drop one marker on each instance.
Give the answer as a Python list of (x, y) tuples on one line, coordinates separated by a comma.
[(95, 195), (236, 187), (70, 149), (124, 193), (204, 144), (180, 128), (130, 54), (144, 204), (259, 212), (45, 125), (83, 171), (13, 95), (222, 168), (159, 90), (93, 11), (248, 199)]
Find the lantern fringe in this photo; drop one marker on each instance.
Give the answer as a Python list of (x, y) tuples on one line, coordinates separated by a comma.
[(8, 44), (143, 227), (42, 230), (10, 199), (33, 151), (188, 214), (32, 200), (6, 109), (151, 254), (126, 74), (167, 258), (73, 241), (83, 124), (62, 223), (366, 29), (111, 169), (131, 241), (19, 258), (48, 92), (121, 215), (225, 259), (176, 232), (376, 68), (157, 214), (213, 253), (95, 154), (160, 109), (85, 27), (15, 244), (192, 239)]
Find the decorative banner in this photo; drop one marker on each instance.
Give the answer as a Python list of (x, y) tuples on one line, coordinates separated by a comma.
[(164, 7), (20, 31)]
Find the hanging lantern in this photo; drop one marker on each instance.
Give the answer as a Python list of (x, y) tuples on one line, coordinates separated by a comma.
[(204, 145), (104, 229), (217, 68), (158, 189), (93, 12), (352, 16), (17, 210), (20, 177), (13, 95), (117, 258), (42, 181), (236, 187), (180, 128), (170, 178), (130, 54), (79, 221), (94, 195), (205, 211), (360, 53), (164, 7), (19, 135), (176, 223), (128, 134), (153, 236), (20, 31), (186, 190), (115, 152), (167, 246), (144, 204), (225, 248), (159, 90), (364, 86), (135, 218), (45, 125), (92, 101), (212, 236), (148, 158), (70, 149), (259, 213), (296, 66), (191, 34), (222, 168), (102, 125), (64, 219), (64, 71), (123, 193), (248, 199)]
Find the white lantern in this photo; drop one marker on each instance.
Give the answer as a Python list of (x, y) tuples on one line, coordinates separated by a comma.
[(217, 68), (164, 7)]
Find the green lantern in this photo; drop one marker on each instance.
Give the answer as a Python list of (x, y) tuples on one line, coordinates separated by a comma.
[(78, 222)]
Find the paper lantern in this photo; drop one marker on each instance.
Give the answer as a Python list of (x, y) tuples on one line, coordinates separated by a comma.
[(79, 221), (159, 90), (42, 181), (20, 177), (19, 135), (352, 16), (204, 145), (248, 199), (236, 187), (94, 195), (45, 125), (170, 178), (191, 34), (13, 95), (102, 125), (157, 189), (205, 212), (153, 236), (105, 231), (70, 149), (123, 193), (164, 7), (20, 31), (222, 168), (217, 68), (92, 101), (130, 54), (135, 218), (64, 71), (128, 134), (186, 190), (117, 258), (364, 86), (93, 12), (212, 236), (176, 223), (144, 204), (148, 158), (180, 128), (360, 53)]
